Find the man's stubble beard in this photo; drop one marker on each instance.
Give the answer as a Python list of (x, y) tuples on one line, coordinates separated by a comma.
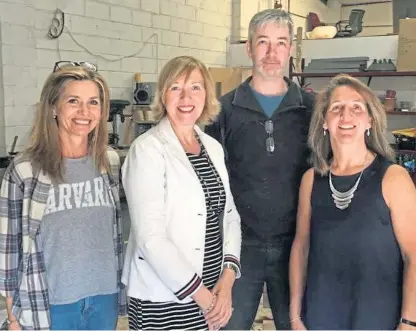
[(277, 73)]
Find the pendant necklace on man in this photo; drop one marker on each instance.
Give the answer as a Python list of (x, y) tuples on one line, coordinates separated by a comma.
[(343, 199)]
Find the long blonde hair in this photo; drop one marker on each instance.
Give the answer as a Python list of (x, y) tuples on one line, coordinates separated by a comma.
[(44, 148), (175, 68), (320, 144)]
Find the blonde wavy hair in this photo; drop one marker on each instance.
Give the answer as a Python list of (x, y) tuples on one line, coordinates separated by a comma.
[(177, 67), (320, 144), (44, 148)]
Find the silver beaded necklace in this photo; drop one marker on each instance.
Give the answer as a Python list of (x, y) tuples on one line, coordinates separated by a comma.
[(343, 199)]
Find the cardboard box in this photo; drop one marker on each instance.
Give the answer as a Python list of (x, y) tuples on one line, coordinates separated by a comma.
[(406, 52), (227, 79)]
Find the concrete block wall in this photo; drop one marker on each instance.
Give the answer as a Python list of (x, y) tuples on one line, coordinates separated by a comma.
[(121, 36), (243, 10)]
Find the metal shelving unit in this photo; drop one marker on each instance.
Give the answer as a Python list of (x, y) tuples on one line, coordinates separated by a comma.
[(370, 74)]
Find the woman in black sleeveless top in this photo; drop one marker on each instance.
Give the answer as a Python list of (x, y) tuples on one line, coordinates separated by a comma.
[(353, 261)]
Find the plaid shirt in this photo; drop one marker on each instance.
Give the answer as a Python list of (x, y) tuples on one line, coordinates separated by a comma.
[(23, 198)]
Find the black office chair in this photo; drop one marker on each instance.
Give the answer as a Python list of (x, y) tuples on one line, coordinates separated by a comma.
[(352, 26)]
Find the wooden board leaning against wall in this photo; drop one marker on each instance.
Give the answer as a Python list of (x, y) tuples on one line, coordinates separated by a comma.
[(227, 79)]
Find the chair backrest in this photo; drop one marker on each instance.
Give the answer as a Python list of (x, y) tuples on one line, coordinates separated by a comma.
[(356, 20), (313, 21)]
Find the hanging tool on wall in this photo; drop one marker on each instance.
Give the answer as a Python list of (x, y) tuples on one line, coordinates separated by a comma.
[(57, 25)]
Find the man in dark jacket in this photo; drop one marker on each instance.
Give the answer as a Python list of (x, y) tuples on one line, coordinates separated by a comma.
[(263, 127)]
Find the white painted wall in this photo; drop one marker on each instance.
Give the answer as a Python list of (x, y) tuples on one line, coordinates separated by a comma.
[(378, 18), (329, 14), (243, 11), (145, 32), (375, 47)]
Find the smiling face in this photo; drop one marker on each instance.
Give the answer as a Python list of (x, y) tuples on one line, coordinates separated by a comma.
[(347, 117), (79, 109), (185, 99), (270, 50)]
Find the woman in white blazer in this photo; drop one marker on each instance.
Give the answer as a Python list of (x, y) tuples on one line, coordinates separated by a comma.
[(184, 248)]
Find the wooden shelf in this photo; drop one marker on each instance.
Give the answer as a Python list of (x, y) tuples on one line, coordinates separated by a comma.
[(145, 122), (301, 76), (402, 113), (356, 74), (405, 151)]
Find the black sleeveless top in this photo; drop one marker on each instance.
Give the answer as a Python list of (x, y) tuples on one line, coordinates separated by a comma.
[(355, 268)]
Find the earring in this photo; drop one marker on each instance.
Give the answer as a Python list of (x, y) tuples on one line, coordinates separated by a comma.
[(54, 113), (368, 132), (324, 132)]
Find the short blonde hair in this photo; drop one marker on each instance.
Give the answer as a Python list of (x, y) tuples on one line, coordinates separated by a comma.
[(44, 149), (177, 67), (320, 144)]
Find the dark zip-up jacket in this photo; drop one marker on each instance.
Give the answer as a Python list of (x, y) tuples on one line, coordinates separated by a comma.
[(265, 185)]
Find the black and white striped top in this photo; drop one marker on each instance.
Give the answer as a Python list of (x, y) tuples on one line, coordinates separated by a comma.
[(215, 203), (169, 315)]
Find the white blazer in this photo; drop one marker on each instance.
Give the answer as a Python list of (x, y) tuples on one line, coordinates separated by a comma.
[(165, 251)]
